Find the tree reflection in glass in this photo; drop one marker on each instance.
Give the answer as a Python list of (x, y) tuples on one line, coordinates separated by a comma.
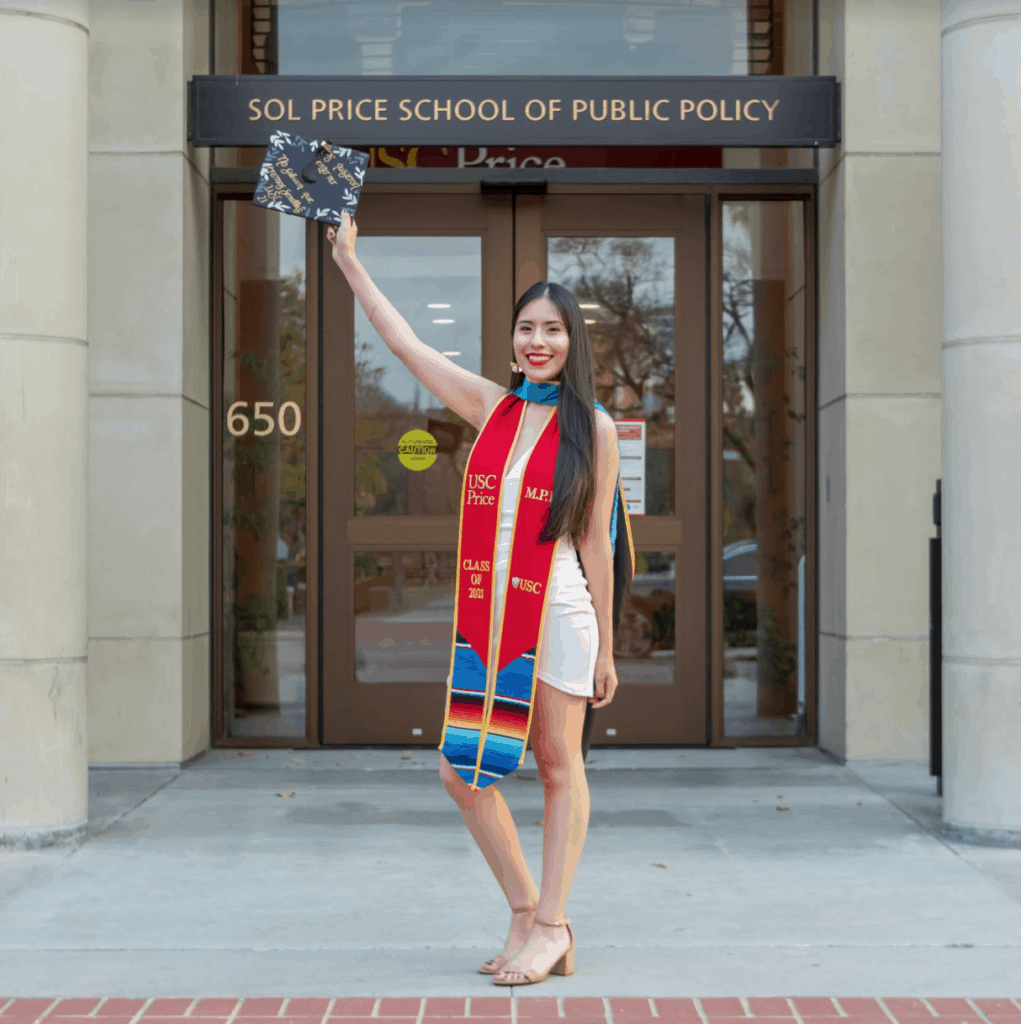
[(625, 287), (436, 284), (264, 472), (763, 421)]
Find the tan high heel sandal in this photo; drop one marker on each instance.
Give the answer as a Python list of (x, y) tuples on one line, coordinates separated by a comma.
[(494, 964), (564, 966)]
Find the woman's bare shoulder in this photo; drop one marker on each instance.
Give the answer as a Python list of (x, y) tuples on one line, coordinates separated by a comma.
[(605, 425)]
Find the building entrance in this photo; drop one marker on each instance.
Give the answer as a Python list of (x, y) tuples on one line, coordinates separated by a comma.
[(334, 562), (453, 263)]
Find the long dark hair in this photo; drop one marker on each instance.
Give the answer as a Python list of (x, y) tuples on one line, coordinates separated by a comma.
[(574, 478)]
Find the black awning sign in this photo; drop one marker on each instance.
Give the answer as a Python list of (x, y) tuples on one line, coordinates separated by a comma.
[(757, 110)]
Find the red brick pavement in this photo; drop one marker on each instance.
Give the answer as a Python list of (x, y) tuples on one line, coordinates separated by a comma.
[(508, 1010)]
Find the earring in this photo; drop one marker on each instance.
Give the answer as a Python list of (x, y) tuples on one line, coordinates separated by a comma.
[(515, 368)]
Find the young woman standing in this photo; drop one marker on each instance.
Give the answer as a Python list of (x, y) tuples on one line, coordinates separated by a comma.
[(538, 650)]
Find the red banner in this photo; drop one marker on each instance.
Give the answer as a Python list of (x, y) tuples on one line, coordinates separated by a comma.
[(543, 156)]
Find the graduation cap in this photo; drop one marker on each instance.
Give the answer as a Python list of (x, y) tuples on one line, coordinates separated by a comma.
[(310, 178)]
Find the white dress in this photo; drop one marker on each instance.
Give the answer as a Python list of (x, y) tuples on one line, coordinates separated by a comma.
[(570, 637)]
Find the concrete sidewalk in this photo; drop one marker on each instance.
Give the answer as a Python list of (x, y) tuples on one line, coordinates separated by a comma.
[(362, 881)]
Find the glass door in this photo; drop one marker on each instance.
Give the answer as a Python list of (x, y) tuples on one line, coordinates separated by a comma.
[(637, 265), (264, 584), (453, 264), (765, 509), (722, 496), (390, 524)]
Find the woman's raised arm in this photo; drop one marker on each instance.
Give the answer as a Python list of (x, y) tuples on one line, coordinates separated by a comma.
[(462, 391)]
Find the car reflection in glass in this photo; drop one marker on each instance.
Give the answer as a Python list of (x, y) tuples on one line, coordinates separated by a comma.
[(740, 582), (647, 622)]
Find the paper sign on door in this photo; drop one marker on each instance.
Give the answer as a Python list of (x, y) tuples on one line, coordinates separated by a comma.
[(631, 445)]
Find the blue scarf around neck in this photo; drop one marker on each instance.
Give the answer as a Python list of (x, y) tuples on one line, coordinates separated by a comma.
[(546, 394)]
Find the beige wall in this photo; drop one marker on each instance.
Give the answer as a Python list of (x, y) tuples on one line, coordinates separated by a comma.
[(879, 374), (148, 254)]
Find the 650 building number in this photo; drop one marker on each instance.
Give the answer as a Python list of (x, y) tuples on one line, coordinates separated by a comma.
[(238, 423)]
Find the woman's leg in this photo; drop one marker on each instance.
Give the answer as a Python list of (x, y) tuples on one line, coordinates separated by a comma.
[(489, 820), (557, 721)]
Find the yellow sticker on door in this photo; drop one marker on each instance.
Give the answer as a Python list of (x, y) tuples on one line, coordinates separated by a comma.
[(417, 449)]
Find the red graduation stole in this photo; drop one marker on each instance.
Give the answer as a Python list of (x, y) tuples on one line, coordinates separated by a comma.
[(489, 706)]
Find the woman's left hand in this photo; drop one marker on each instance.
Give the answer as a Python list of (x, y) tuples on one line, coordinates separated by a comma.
[(605, 681)]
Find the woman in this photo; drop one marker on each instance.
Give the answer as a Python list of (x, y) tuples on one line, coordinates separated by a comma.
[(574, 598)]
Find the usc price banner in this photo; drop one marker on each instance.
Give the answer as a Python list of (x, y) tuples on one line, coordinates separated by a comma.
[(544, 156)]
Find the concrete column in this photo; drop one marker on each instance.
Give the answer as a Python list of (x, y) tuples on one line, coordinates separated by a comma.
[(43, 423), (879, 375), (981, 406)]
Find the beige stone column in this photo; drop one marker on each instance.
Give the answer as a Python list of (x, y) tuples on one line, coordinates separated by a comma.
[(43, 422), (880, 307), (149, 699), (981, 413)]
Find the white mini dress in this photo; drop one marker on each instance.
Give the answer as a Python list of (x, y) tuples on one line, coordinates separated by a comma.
[(570, 636)]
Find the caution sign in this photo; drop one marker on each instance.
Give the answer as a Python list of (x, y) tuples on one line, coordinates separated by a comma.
[(417, 449)]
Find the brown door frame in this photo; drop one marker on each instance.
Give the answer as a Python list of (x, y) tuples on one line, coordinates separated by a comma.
[(386, 713), (674, 213), (806, 194), (654, 713), (716, 194)]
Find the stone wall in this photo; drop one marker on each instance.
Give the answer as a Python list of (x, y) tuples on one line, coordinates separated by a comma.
[(880, 298), (149, 689)]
